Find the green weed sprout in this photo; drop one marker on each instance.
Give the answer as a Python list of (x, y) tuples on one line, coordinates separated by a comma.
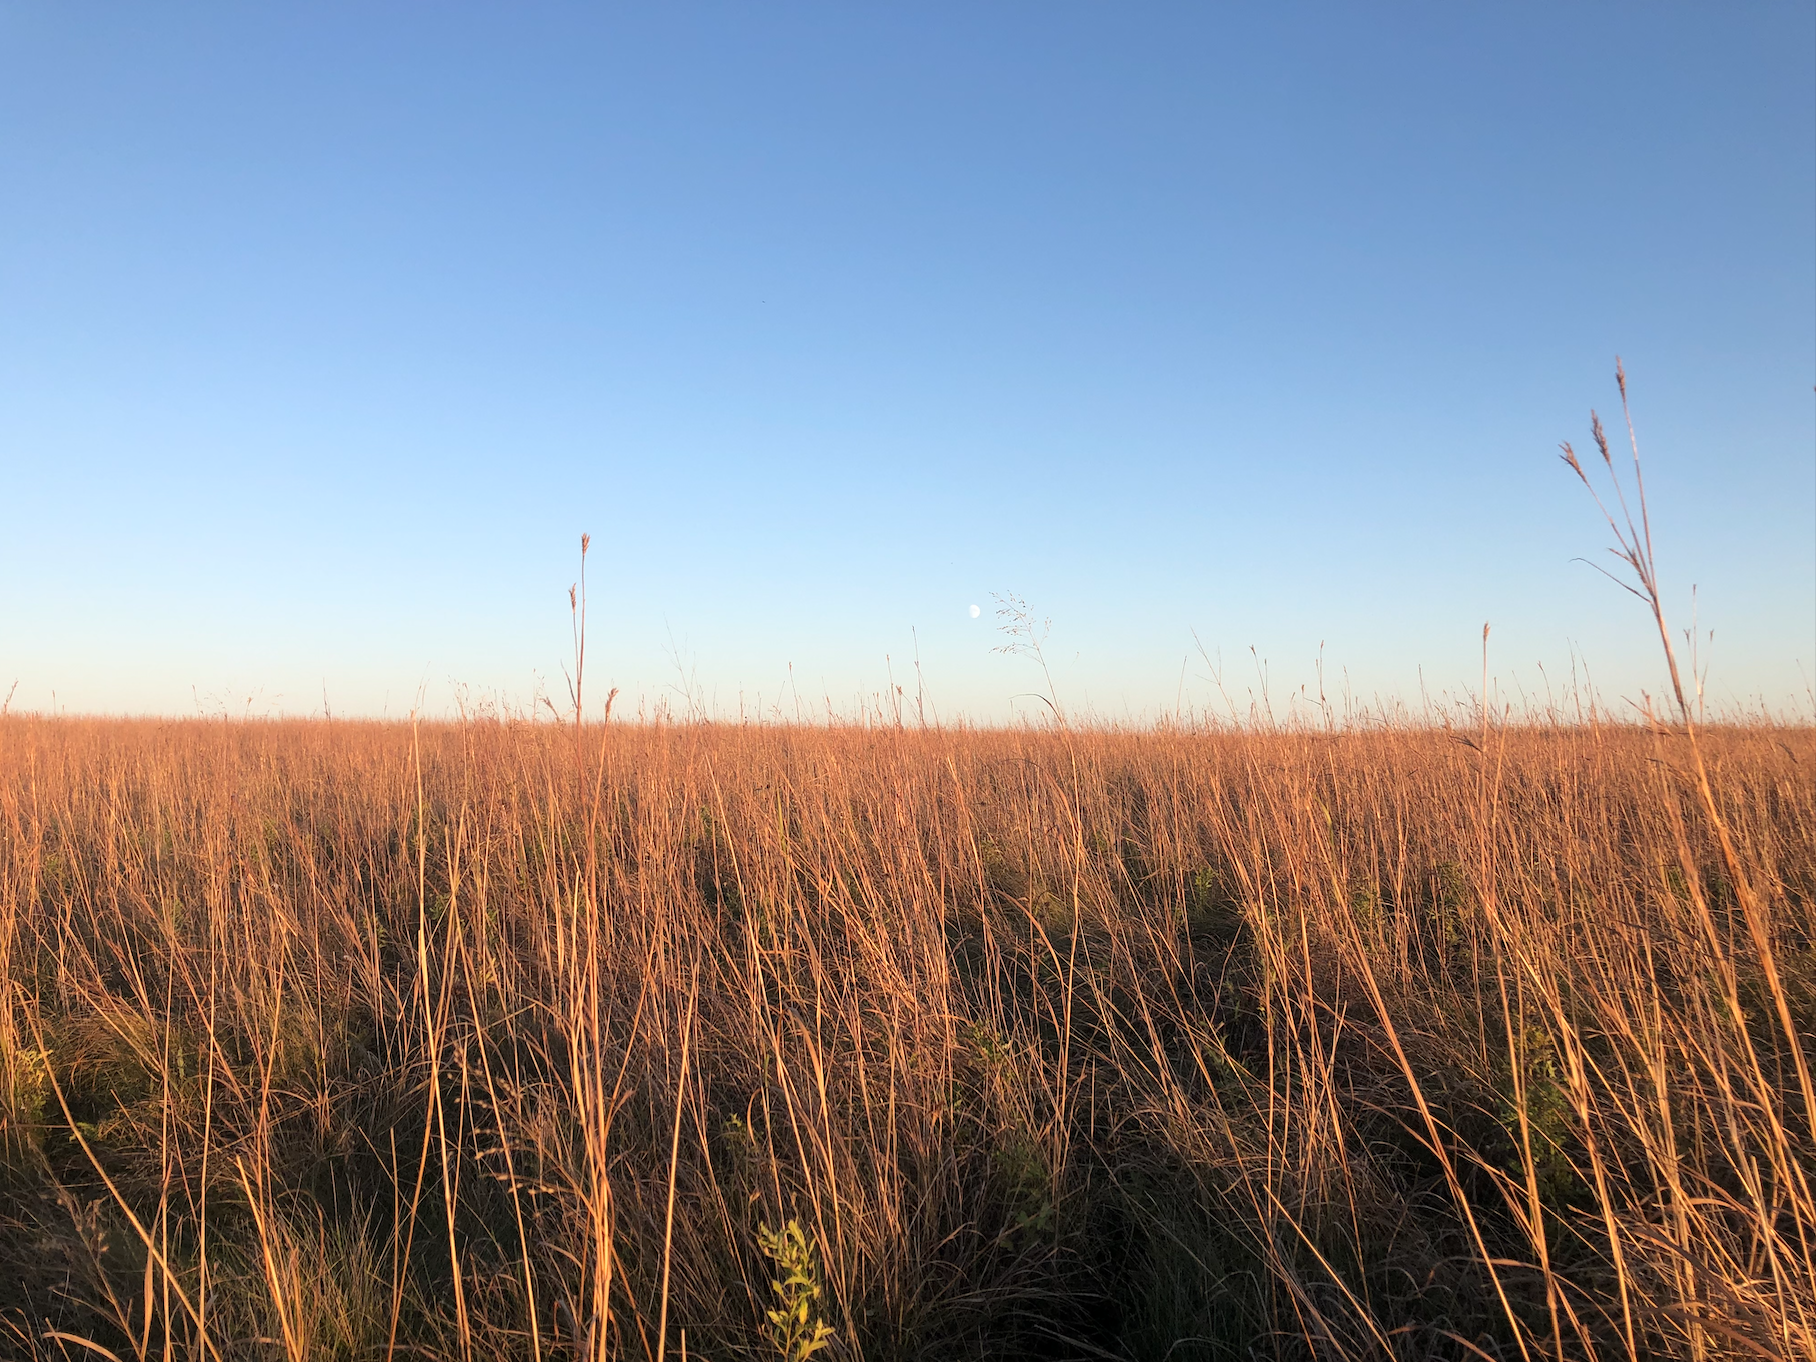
[(795, 1324)]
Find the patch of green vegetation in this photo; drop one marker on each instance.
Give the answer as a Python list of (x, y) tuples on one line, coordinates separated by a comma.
[(797, 1328)]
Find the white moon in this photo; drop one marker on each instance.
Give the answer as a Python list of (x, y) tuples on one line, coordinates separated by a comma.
[(975, 612)]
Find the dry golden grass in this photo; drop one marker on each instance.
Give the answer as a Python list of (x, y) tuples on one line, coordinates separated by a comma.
[(354, 1040)]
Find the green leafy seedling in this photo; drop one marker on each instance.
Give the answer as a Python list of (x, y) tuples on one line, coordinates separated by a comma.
[(795, 1325)]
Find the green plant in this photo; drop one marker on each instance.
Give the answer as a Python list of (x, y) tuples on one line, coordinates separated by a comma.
[(795, 1325)]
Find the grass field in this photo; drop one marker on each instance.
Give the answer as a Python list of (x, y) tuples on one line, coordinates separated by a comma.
[(475, 1040)]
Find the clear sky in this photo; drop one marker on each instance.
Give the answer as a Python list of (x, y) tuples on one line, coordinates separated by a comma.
[(325, 330)]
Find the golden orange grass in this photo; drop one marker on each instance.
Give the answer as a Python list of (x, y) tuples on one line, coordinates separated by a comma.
[(339, 1037)]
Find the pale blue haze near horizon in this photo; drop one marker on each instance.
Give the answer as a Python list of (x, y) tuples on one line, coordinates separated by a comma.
[(326, 330)]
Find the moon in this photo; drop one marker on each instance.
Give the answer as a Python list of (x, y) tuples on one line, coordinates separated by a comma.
[(975, 612)]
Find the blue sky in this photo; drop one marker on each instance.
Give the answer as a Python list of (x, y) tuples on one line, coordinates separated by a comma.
[(326, 330)]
